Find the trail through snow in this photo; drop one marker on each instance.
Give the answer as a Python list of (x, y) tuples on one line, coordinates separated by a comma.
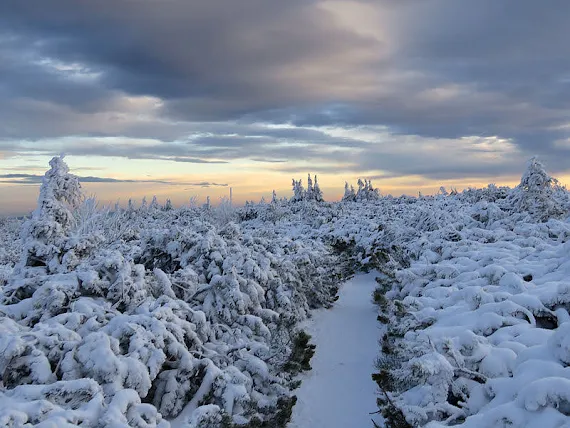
[(339, 392)]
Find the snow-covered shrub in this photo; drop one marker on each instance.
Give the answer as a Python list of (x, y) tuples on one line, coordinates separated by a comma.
[(476, 323), (539, 194), (491, 193), (150, 314), (11, 247), (145, 315), (223, 213)]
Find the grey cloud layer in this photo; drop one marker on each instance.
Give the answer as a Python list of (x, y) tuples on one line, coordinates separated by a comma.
[(443, 69), (37, 179)]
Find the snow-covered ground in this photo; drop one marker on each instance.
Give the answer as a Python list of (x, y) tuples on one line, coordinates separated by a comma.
[(479, 328), (339, 392)]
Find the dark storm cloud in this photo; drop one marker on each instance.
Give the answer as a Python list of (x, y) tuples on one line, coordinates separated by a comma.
[(442, 69)]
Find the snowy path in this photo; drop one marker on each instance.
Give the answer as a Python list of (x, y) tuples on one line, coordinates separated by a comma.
[(339, 392)]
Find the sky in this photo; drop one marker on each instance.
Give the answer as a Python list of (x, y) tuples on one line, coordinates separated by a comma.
[(182, 98)]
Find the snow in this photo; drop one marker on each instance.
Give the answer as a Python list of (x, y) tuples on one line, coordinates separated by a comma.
[(339, 392), (157, 316)]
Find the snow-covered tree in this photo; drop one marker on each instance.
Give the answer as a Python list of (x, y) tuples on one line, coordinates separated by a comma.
[(349, 193), (299, 192), (309, 193), (317, 192), (539, 194), (45, 234), (168, 205), (154, 204), (193, 202), (312, 193), (366, 192)]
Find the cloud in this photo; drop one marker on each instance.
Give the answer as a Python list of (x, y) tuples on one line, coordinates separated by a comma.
[(212, 82), (193, 160), (356, 150), (221, 145), (265, 160), (206, 184), (250, 55), (19, 178)]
